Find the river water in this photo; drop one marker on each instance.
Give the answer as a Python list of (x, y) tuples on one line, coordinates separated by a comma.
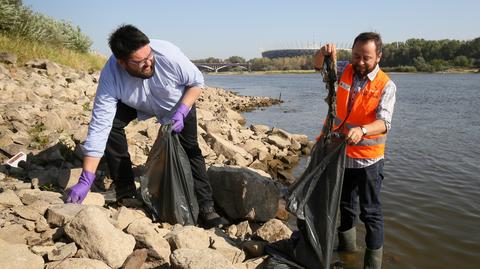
[(431, 190)]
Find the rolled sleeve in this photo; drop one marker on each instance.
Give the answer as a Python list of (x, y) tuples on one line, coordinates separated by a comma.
[(387, 103), (104, 109)]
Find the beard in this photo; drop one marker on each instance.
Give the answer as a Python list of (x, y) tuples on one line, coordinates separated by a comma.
[(363, 70), (145, 73)]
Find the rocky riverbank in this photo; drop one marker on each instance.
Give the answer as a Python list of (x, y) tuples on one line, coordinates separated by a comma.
[(45, 110)]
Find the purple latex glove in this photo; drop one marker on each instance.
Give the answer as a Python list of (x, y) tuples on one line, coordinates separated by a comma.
[(79, 191), (178, 118)]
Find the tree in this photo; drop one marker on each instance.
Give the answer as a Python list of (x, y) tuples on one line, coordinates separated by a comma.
[(462, 61), (236, 60)]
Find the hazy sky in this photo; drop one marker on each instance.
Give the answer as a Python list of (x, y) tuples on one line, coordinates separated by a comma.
[(245, 28)]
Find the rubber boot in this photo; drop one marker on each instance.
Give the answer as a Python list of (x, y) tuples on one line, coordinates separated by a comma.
[(209, 218), (347, 241), (373, 258)]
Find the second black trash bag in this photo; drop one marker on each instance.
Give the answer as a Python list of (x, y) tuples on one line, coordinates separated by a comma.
[(167, 185), (314, 199)]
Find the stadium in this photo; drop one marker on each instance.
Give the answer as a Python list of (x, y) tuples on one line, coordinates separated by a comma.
[(281, 53)]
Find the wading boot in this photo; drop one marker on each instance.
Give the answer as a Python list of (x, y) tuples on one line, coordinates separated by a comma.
[(208, 218), (373, 258), (117, 193), (347, 241)]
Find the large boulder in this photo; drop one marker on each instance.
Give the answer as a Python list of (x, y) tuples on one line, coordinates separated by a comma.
[(243, 193), (93, 232)]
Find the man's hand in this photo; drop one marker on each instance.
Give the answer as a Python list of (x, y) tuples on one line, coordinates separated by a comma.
[(354, 135), (178, 118), (79, 191), (326, 50)]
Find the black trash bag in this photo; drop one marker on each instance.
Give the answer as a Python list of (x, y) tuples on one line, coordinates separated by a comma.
[(167, 186), (314, 199)]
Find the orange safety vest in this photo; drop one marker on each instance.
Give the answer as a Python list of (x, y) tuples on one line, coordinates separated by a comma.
[(364, 110)]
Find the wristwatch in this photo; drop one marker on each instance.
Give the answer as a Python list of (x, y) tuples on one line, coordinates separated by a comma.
[(364, 130)]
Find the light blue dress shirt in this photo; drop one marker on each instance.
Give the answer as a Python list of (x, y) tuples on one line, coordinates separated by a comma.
[(157, 96)]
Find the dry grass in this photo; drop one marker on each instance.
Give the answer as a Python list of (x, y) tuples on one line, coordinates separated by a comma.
[(27, 50)]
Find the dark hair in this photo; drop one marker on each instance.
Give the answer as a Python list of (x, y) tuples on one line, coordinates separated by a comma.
[(370, 36), (125, 40)]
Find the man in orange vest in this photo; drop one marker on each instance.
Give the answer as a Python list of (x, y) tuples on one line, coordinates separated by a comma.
[(365, 101)]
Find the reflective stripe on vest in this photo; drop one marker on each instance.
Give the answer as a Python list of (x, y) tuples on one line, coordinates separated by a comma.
[(363, 112)]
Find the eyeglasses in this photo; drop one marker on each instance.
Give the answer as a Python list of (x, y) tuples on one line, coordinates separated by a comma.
[(140, 64)]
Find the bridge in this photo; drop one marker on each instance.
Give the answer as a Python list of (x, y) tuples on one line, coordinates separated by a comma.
[(215, 67)]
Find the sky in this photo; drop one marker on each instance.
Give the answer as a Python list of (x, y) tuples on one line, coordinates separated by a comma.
[(220, 29)]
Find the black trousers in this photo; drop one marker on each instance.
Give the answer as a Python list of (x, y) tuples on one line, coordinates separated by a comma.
[(120, 165)]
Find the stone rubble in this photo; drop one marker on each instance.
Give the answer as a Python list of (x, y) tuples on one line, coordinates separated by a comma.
[(45, 113)]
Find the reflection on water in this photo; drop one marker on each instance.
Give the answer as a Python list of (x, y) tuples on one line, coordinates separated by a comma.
[(431, 189)]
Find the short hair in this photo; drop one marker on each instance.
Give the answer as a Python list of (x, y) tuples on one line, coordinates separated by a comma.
[(125, 40), (370, 36)]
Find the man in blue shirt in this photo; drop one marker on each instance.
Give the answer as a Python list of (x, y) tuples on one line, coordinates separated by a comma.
[(144, 79)]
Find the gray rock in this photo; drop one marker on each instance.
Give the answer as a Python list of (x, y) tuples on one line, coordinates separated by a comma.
[(15, 234), (53, 234), (152, 238), (259, 128), (30, 196), (8, 58), (198, 259), (229, 150), (274, 230), (53, 122), (39, 206), (243, 193), (26, 212), (9, 198), (136, 259), (124, 216), (43, 91), (93, 232), (81, 253), (62, 252), (18, 256), (254, 147), (192, 237), (205, 148), (42, 250), (279, 141), (256, 263), (53, 68), (94, 198), (231, 115), (59, 215), (243, 230), (77, 263), (41, 225)]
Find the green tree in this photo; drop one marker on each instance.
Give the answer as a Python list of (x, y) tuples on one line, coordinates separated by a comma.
[(236, 60), (462, 61)]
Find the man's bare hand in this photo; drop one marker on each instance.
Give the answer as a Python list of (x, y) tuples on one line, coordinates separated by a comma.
[(354, 135), (326, 50)]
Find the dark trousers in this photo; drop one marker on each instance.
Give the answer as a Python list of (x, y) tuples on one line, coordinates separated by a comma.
[(120, 165), (364, 183)]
